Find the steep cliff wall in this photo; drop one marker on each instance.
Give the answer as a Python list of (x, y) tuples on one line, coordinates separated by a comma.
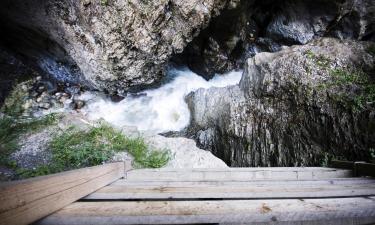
[(266, 25), (295, 107)]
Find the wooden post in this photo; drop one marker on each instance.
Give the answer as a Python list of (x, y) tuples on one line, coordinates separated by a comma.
[(364, 169)]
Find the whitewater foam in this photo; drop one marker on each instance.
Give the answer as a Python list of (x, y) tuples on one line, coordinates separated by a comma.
[(156, 110)]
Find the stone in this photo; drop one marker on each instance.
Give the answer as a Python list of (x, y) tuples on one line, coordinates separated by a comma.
[(265, 26), (78, 104), (119, 45), (44, 105), (288, 109)]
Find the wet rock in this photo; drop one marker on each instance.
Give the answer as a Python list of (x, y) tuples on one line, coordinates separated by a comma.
[(44, 105), (116, 98), (78, 104), (289, 109)]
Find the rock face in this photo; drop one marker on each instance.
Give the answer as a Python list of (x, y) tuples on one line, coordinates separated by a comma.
[(299, 106), (107, 44), (264, 25)]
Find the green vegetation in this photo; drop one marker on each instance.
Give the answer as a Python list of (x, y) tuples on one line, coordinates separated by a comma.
[(104, 2), (78, 148), (345, 78), (13, 104), (12, 128), (71, 148)]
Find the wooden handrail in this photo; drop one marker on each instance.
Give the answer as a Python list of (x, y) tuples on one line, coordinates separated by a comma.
[(359, 168), (25, 201)]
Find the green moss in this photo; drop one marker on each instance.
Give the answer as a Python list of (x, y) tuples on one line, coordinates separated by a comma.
[(104, 2), (343, 78), (346, 77), (13, 104), (320, 60)]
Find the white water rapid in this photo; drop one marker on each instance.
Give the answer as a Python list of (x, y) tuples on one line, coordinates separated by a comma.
[(156, 110)]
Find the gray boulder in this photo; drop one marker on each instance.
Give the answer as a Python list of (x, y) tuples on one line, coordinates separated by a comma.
[(265, 25), (297, 107), (105, 44)]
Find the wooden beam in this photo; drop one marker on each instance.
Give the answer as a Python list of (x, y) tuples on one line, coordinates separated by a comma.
[(25, 201), (232, 192), (276, 182), (331, 211), (233, 174)]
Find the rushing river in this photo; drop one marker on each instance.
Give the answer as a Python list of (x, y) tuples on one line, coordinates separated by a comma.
[(156, 110)]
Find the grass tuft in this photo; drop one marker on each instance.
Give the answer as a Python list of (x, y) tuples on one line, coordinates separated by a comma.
[(11, 129), (75, 149)]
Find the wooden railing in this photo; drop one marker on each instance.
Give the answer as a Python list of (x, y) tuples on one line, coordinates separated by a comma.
[(359, 168), (25, 201)]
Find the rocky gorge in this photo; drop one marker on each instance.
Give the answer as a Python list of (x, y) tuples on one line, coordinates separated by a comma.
[(255, 83)]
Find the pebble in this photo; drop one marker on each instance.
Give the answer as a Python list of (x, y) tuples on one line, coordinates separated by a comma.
[(44, 105)]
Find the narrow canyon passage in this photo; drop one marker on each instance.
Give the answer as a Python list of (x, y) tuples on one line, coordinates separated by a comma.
[(156, 110)]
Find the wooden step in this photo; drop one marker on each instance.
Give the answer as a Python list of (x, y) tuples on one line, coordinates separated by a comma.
[(343, 181), (237, 174), (286, 211), (230, 191)]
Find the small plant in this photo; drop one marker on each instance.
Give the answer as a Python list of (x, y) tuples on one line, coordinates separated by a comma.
[(81, 148), (104, 2), (342, 78), (320, 60)]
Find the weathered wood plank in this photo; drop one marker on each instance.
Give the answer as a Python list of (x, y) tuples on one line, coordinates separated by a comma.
[(299, 211), (239, 169), (333, 181), (232, 192), (236, 175), (23, 202)]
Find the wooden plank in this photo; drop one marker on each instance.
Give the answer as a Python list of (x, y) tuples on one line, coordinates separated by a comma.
[(333, 181), (232, 192), (25, 201), (234, 175), (239, 169), (290, 211), (364, 169), (16, 193)]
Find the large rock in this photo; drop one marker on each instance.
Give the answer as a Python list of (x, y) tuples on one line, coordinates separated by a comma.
[(105, 44), (300, 106), (266, 25)]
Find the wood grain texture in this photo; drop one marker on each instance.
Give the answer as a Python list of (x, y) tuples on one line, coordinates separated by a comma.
[(256, 191), (23, 202), (233, 174), (288, 211), (277, 182)]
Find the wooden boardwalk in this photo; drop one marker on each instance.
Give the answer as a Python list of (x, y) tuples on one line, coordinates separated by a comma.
[(115, 194)]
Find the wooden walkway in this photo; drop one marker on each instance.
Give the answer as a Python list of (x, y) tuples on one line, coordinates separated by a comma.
[(115, 194)]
